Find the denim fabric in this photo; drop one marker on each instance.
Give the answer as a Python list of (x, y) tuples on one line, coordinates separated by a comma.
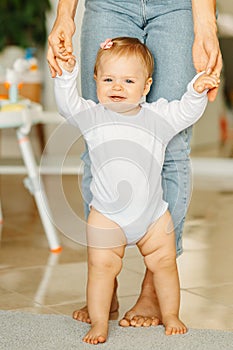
[(166, 26)]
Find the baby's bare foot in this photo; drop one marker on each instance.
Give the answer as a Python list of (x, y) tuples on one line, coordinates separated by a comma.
[(97, 334), (173, 325)]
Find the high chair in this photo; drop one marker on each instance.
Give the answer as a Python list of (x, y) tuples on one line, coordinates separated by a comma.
[(21, 116)]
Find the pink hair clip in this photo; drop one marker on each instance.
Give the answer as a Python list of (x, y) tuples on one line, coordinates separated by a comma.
[(107, 44)]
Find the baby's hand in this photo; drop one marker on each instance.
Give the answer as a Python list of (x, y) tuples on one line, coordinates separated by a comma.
[(206, 81), (68, 64)]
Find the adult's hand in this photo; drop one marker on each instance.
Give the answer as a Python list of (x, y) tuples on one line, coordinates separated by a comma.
[(207, 55), (60, 43)]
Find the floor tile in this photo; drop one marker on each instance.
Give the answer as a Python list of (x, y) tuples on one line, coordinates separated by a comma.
[(222, 294), (199, 312), (48, 285), (10, 300)]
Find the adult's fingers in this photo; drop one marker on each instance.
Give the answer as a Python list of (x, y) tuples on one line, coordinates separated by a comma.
[(212, 94), (215, 63), (211, 64), (68, 44), (52, 62)]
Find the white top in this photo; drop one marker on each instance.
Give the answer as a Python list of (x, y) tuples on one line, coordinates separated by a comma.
[(127, 152)]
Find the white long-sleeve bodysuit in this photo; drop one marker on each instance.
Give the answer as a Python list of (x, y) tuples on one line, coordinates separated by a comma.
[(127, 152)]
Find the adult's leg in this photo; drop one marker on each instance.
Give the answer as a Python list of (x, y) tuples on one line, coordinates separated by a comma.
[(159, 251), (169, 35), (104, 264), (170, 38)]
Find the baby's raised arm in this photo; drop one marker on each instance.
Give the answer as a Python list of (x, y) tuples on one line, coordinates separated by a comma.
[(206, 81)]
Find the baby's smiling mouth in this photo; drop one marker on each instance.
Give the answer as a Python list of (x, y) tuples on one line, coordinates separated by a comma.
[(116, 98)]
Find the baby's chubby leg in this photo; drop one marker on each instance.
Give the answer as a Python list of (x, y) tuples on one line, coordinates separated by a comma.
[(104, 264), (159, 251)]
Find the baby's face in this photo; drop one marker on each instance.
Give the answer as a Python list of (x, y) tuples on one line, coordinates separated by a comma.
[(122, 81)]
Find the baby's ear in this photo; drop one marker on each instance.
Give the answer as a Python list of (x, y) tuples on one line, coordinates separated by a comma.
[(147, 86)]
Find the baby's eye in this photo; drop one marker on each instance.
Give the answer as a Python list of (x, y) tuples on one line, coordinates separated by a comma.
[(129, 81), (108, 80)]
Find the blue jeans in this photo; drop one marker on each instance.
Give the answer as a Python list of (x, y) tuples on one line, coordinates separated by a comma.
[(166, 27)]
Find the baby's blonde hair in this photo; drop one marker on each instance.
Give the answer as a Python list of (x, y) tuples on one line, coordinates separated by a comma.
[(127, 46)]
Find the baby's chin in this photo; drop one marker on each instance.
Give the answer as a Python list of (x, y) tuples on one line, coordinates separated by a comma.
[(123, 107)]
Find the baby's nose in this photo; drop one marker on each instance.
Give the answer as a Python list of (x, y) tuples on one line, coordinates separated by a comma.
[(117, 85)]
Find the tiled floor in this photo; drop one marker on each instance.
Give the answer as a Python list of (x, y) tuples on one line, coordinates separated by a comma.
[(33, 279)]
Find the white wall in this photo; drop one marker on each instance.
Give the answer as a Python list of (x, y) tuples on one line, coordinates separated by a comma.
[(225, 6)]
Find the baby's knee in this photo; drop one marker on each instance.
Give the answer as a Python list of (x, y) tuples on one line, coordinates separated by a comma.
[(157, 261), (105, 261)]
